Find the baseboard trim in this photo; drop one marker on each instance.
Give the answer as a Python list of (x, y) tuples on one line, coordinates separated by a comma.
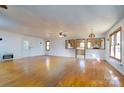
[(118, 70)]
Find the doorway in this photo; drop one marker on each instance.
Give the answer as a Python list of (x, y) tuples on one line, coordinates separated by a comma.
[(80, 48)]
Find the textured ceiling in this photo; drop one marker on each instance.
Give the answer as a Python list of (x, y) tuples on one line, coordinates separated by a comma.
[(46, 21)]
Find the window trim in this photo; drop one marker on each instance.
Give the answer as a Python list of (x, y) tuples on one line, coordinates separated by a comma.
[(115, 32)]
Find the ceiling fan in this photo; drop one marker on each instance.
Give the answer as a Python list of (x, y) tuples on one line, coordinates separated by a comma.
[(3, 6), (60, 34)]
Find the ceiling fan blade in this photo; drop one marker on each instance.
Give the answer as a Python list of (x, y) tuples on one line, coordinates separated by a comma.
[(64, 35), (60, 34), (4, 6)]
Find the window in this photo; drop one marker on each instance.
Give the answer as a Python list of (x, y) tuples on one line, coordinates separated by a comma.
[(115, 44), (89, 45), (82, 44), (47, 45), (26, 44)]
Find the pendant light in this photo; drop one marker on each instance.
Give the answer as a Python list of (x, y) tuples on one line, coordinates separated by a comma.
[(92, 35)]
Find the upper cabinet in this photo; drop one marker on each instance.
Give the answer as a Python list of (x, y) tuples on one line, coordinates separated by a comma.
[(96, 43), (70, 44)]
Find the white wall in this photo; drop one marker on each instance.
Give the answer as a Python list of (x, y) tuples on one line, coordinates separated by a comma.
[(57, 48), (114, 62), (13, 43)]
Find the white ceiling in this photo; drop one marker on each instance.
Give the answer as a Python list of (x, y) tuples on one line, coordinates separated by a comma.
[(45, 21)]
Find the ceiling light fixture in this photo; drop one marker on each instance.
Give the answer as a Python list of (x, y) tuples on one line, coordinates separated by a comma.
[(92, 35), (62, 35)]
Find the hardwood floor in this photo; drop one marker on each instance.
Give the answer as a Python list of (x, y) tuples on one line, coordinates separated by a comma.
[(58, 71)]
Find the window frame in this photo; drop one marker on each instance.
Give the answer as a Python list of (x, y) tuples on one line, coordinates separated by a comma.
[(115, 40)]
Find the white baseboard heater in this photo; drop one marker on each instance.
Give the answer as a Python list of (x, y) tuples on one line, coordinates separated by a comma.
[(7, 57)]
